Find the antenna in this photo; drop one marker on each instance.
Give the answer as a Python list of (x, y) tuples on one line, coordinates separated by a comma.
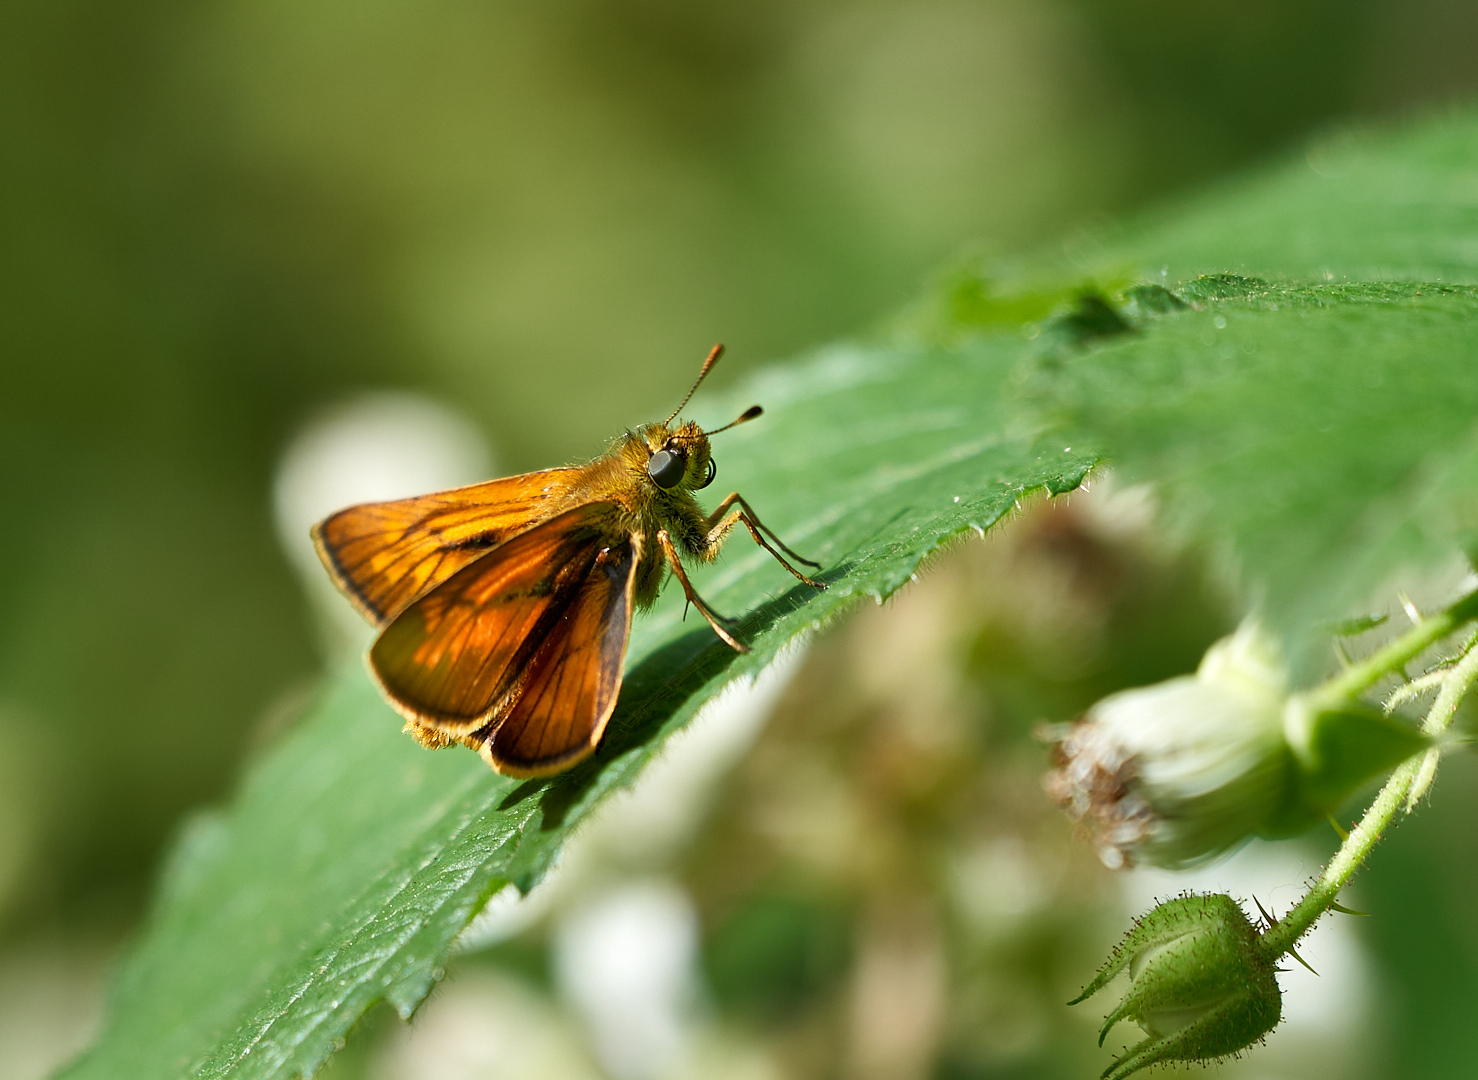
[(745, 417), (713, 355)]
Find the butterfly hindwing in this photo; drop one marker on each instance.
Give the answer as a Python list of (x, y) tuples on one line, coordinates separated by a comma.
[(383, 555), (452, 656), (569, 694)]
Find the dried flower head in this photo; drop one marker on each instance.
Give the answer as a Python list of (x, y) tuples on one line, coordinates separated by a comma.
[(1175, 773)]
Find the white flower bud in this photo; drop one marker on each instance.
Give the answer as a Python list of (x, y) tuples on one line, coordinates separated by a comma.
[(1178, 772)]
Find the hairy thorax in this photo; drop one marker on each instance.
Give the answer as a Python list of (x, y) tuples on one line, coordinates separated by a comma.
[(641, 509)]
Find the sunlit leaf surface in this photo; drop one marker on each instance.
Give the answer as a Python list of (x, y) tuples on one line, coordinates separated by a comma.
[(1317, 430), (353, 856), (1324, 437), (1304, 402)]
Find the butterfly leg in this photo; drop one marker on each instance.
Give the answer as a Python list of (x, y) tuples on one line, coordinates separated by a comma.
[(714, 619), (719, 525)]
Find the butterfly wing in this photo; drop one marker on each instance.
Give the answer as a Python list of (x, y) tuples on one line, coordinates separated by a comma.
[(459, 653), (570, 692), (383, 555)]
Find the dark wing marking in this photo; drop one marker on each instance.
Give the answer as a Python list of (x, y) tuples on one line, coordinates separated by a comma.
[(449, 659), (384, 555), (571, 689)]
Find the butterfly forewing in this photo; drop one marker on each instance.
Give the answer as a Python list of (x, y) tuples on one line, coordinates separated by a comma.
[(384, 555), (453, 655), (571, 688)]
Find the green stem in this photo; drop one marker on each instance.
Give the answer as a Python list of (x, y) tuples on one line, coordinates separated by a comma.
[(1356, 679), (1284, 934), (1406, 785), (1444, 711)]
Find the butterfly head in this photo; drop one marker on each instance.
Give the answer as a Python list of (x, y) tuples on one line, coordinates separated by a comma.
[(680, 456)]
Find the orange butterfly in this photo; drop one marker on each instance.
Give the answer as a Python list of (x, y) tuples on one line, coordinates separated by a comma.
[(504, 608)]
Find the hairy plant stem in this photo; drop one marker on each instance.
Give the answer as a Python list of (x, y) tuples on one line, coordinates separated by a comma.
[(1444, 709), (1410, 780), (1392, 657)]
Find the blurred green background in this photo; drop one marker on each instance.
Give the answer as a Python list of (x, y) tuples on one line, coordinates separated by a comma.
[(218, 220)]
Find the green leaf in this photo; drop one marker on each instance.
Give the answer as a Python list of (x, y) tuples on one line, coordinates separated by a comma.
[(353, 857), (1354, 205), (1322, 435), (1318, 431), (1309, 410)]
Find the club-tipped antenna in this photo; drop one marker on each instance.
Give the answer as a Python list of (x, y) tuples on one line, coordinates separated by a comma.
[(713, 355), (745, 417)]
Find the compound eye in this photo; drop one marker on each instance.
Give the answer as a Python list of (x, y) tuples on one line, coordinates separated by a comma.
[(666, 469), (708, 477)]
